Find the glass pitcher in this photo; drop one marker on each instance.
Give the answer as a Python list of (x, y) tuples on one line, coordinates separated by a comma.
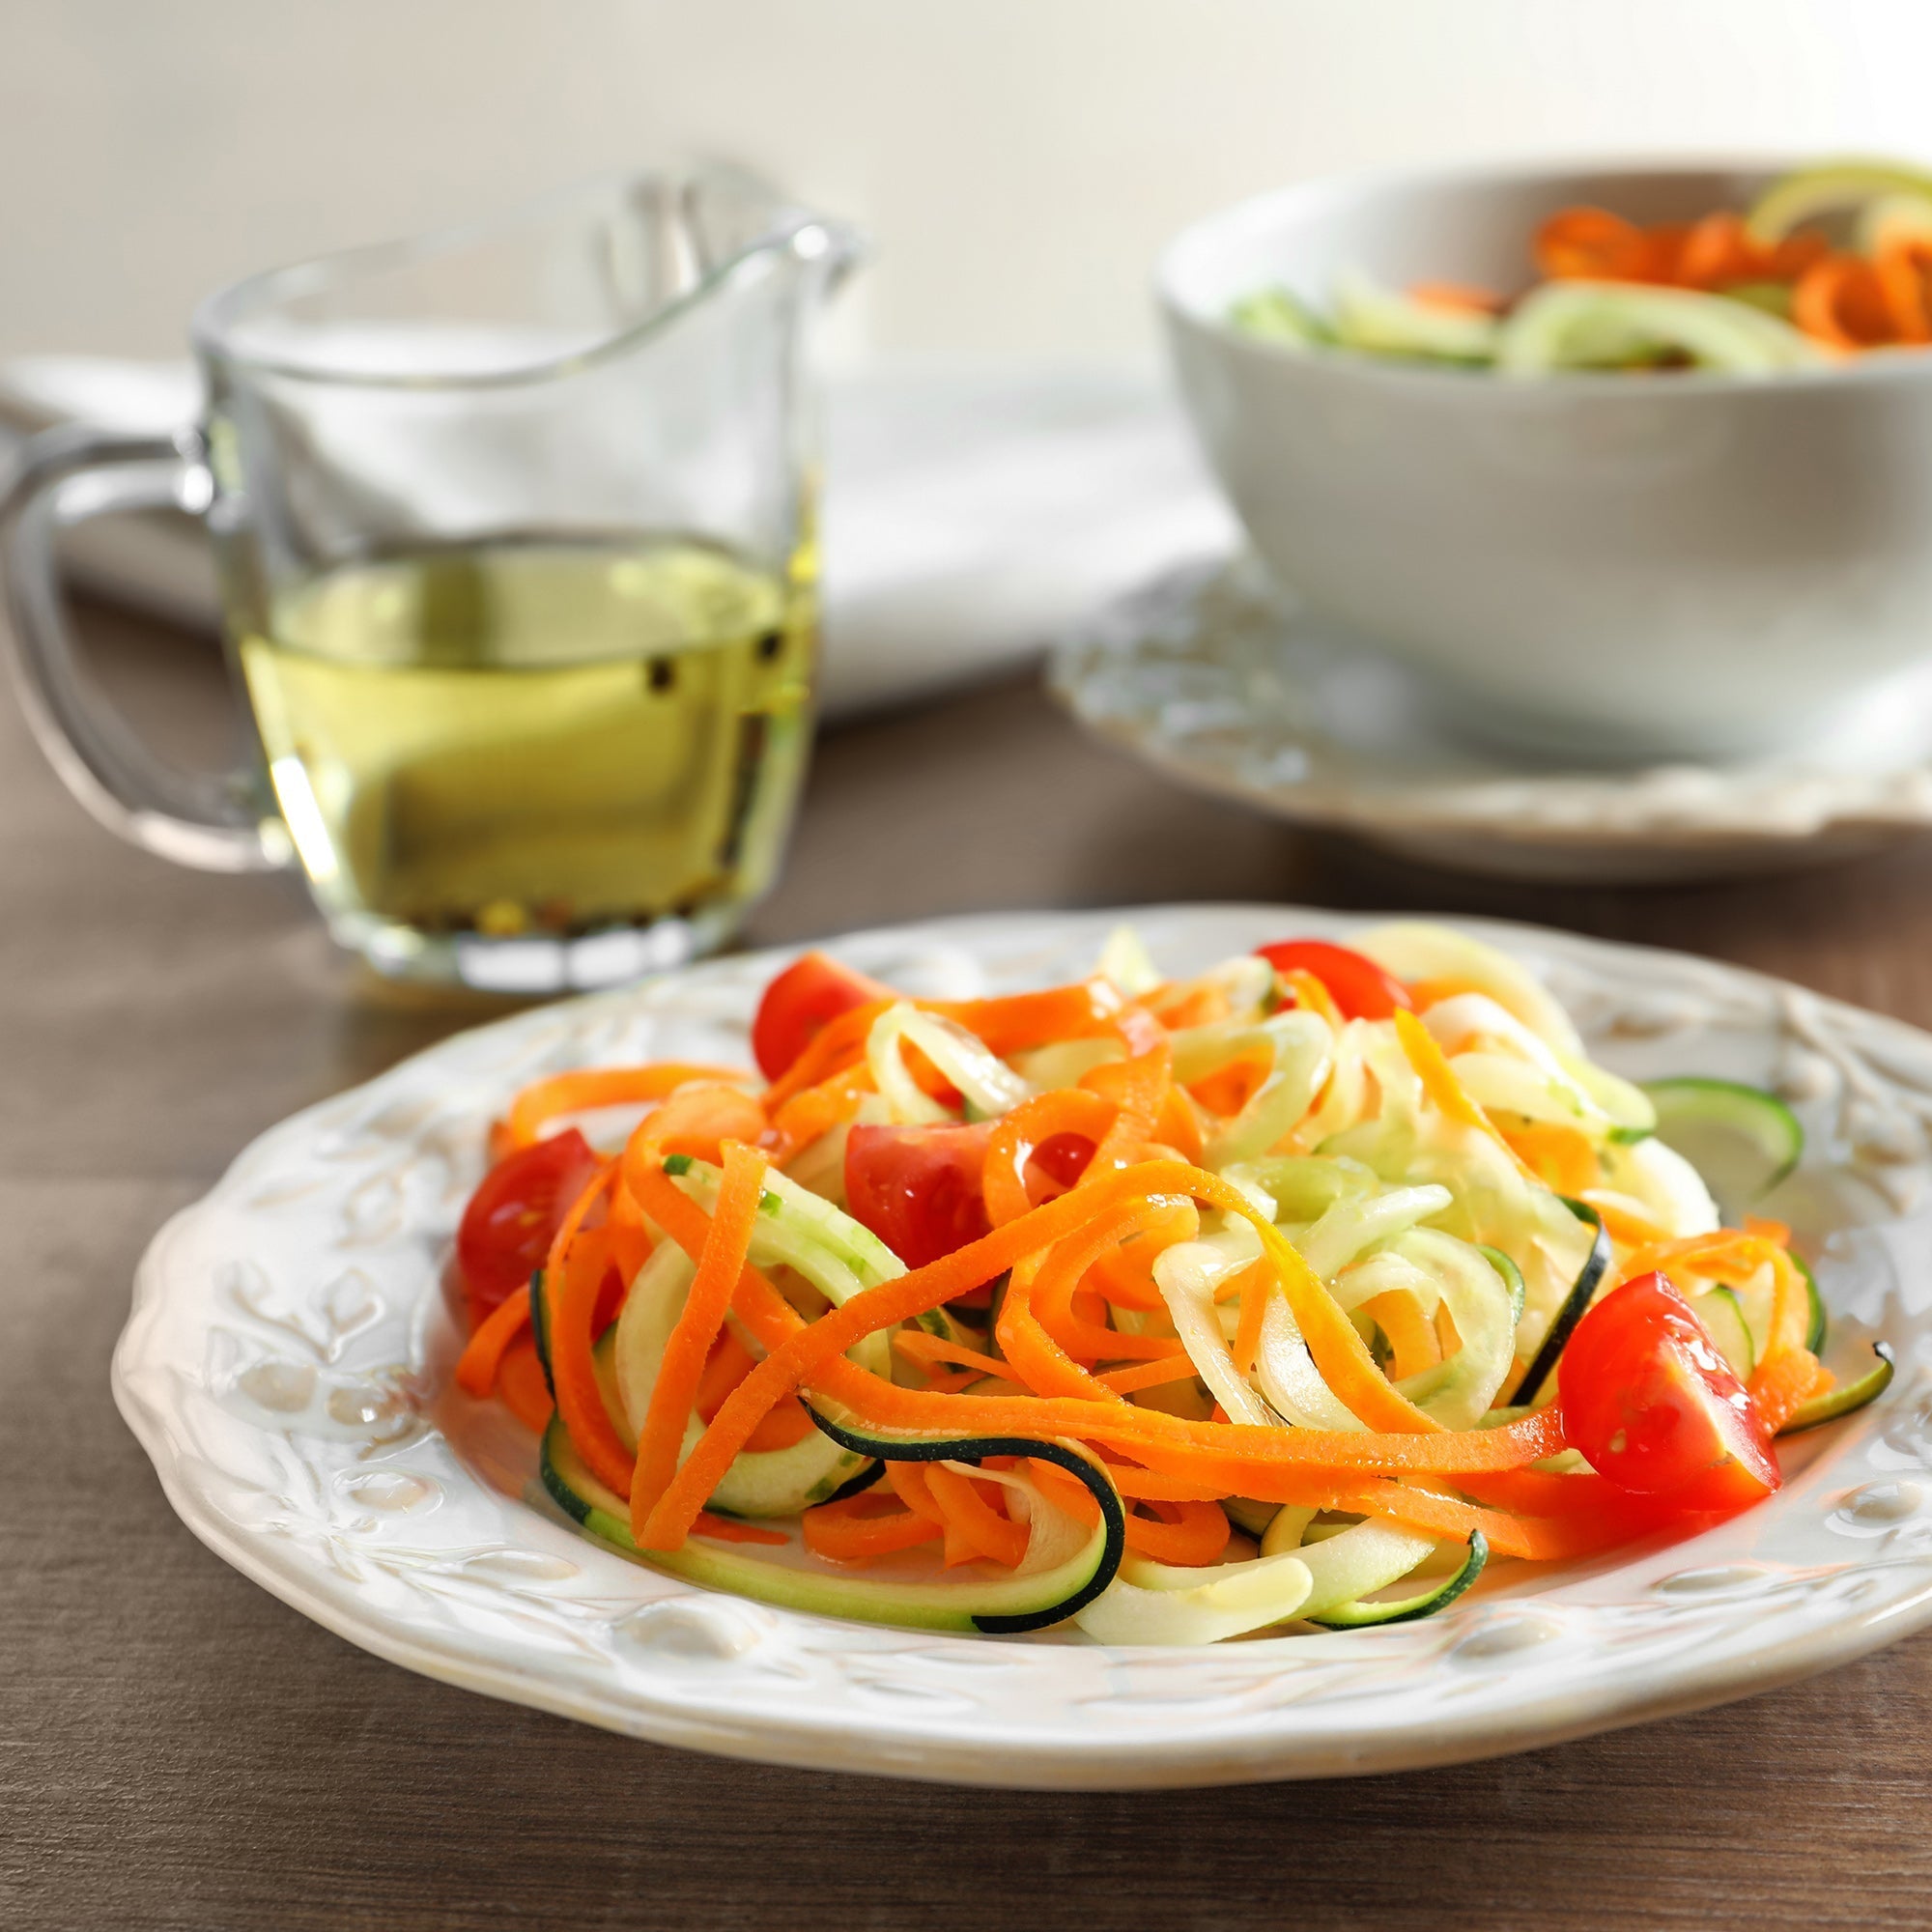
[(514, 526)]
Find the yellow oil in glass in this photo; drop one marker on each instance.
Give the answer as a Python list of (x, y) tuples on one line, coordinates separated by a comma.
[(536, 737)]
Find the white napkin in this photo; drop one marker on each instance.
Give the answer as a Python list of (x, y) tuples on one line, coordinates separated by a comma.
[(969, 515)]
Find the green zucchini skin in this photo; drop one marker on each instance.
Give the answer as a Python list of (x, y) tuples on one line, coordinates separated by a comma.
[(976, 1449), (1365, 1617), (856, 1486), (1848, 1400), (1575, 1306), (1814, 1335), (1723, 1317), (1757, 1119), (540, 1329), (1512, 1277), (604, 1515)]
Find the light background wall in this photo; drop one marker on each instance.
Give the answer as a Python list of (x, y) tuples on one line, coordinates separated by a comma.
[(1018, 162)]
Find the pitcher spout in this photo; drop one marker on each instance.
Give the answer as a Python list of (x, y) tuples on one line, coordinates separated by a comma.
[(587, 272)]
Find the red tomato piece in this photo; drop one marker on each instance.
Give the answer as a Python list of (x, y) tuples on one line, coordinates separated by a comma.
[(1064, 1157), (919, 1188), (1655, 1407), (1360, 990), (507, 1228), (807, 996)]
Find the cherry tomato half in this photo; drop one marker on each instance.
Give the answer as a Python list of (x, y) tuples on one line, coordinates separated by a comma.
[(809, 993), (507, 1228), (1062, 1157), (1360, 990), (1655, 1407), (919, 1188)]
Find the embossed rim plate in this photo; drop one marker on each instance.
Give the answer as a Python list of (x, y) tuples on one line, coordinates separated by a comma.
[(1224, 682), (286, 1367)]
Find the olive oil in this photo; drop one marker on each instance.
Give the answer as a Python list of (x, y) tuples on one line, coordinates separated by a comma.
[(537, 738)]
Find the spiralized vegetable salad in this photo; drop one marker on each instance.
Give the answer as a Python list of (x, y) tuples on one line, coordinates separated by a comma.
[(1831, 262), (1284, 1295)]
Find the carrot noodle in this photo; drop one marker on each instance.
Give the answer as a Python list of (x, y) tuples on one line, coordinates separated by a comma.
[(1185, 1003), (1444, 1090), (916, 1345), (1254, 1286), (1409, 1335), (1173, 1367), (1151, 1485), (571, 1288), (1563, 1158), (1057, 1291), (727, 1247), (1179, 1126), (1900, 270), (813, 1111), (1841, 302), (1085, 1011), (1138, 1088), (723, 1530), (768, 1316), (1715, 253), (476, 1367), (1124, 1275), (1789, 1372), (1723, 1256), (520, 1382), (631, 1242), (1043, 1365), (1616, 1215), (1427, 993), (1311, 995), (1457, 294), (699, 1120), (1189, 1534), (1086, 1186), (728, 1364), (830, 1051), (540, 1105), (908, 1481), (1163, 1440), (1067, 1110), (973, 1526), (864, 1528)]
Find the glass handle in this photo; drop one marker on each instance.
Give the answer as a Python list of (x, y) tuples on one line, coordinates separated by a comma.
[(207, 820)]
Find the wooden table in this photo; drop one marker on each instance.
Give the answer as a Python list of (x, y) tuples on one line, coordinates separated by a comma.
[(182, 1751)]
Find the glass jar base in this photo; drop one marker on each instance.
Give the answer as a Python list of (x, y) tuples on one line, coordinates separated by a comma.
[(535, 965)]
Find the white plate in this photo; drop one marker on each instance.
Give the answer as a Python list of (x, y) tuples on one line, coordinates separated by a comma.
[(1228, 684), (286, 1362)]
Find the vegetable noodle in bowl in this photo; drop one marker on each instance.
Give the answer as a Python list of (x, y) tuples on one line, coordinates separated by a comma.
[(1635, 461)]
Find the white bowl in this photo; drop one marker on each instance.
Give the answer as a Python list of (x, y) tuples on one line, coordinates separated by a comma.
[(1620, 565)]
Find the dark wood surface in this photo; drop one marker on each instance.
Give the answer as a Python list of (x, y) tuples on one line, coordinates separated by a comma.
[(179, 1749)]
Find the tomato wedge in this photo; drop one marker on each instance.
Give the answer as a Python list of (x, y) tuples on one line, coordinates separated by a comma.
[(1655, 1407), (919, 1188), (809, 994), (506, 1230), (1360, 990)]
